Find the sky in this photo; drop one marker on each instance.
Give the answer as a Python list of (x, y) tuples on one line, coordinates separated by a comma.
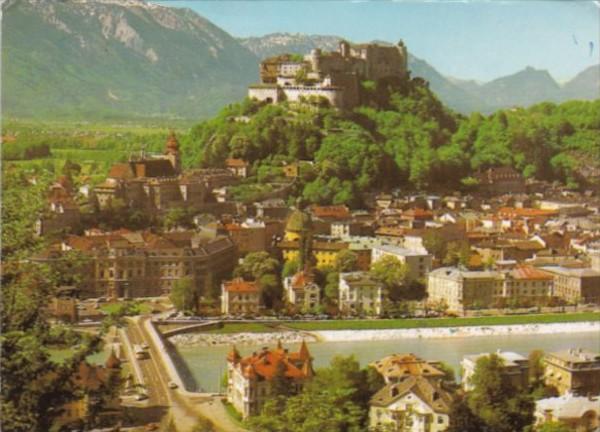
[(468, 39)]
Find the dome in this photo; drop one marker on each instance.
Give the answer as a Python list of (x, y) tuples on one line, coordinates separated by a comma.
[(298, 222)]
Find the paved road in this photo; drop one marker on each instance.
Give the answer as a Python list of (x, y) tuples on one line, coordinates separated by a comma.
[(185, 409)]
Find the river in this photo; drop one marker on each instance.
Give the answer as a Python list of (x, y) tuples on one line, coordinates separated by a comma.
[(202, 367)]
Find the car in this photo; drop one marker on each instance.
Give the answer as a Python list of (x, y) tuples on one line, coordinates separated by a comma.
[(145, 346), (172, 385), (141, 396)]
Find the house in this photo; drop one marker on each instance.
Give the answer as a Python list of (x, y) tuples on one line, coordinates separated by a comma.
[(238, 167), (575, 371), (579, 413), (515, 368), (250, 379), (417, 262), (528, 285), (239, 297), (396, 367), (360, 294), (414, 403), (302, 291), (248, 236)]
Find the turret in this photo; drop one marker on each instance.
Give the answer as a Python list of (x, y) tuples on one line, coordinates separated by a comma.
[(172, 151), (233, 356), (304, 354)]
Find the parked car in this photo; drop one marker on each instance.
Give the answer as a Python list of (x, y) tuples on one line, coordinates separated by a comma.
[(141, 396), (172, 385)]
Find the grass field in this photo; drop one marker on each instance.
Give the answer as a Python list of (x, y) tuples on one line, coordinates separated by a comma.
[(443, 322), (229, 328)]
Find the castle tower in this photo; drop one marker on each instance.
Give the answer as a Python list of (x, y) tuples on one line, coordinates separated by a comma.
[(172, 152), (344, 49)]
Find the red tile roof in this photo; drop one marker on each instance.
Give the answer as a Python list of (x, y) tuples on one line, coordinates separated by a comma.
[(530, 273), (335, 211), (266, 363), (236, 163), (239, 285)]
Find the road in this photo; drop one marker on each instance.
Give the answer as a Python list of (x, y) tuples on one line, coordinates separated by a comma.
[(185, 408)]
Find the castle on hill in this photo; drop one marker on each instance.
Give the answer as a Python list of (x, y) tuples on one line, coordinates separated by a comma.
[(333, 76)]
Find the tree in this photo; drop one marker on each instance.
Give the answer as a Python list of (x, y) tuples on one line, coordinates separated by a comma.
[(393, 274), (462, 419), (495, 400), (178, 217), (457, 253), (184, 295), (290, 268), (346, 261), (264, 269), (435, 244), (552, 426)]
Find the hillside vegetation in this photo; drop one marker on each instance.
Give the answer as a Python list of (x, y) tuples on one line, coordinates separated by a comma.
[(402, 136)]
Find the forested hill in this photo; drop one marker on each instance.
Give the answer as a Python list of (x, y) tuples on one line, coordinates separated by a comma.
[(402, 136), (127, 58)]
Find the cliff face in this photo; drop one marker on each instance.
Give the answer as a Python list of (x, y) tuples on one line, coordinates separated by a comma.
[(115, 58)]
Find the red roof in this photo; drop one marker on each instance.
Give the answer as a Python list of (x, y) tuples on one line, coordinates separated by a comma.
[(335, 211), (512, 212), (301, 279), (530, 273), (239, 285), (267, 362)]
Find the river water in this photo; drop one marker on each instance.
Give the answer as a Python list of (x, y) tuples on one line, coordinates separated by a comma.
[(203, 367)]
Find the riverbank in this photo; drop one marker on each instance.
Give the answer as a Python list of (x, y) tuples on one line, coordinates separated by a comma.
[(248, 338), (243, 338)]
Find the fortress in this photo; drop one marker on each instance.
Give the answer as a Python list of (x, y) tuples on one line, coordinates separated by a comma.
[(332, 76)]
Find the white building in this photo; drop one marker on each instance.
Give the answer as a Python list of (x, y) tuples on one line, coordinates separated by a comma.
[(359, 294), (581, 414), (302, 291), (415, 404)]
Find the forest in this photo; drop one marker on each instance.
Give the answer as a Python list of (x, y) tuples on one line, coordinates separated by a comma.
[(401, 136)]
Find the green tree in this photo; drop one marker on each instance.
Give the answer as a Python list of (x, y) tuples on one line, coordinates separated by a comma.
[(261, 267), (346, 261), (393, 274), (495, 400), (184, 295), (553, 427)]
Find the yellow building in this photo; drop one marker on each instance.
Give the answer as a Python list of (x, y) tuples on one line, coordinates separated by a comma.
[(299, 226)]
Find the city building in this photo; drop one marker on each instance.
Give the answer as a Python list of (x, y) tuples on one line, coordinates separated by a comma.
[(418, 262), (240, 297), (501, 180), (575, 371), (461, 290), (331, 76), (515, 368), (576, 285), (152, 183), (396, 367), (415, 403), (302, 291), (62, 212), (250, 379), (528, 286), (360, 294), (579, 413), (144, 264), (248, 236)]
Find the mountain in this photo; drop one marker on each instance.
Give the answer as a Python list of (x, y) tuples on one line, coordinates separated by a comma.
[(109, 58), (282, 43), (585, 85), (523, 88)]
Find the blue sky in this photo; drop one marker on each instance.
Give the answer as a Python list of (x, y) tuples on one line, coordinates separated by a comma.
[(479, 40)]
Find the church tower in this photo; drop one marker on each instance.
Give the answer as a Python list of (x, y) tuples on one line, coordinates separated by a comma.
[(172, 152)]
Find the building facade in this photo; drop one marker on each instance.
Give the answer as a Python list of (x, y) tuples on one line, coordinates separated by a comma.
[(575, 371), (576, 285), (143, 264), (359, 294), (416, 404), (240, 297), (250, 379), (302, 291)]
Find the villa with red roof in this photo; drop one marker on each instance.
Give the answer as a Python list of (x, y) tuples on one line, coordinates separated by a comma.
[(302, 291), (240, 297), (250, 379)]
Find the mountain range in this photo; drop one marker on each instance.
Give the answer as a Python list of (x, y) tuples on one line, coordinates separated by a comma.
[(130, 58)]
